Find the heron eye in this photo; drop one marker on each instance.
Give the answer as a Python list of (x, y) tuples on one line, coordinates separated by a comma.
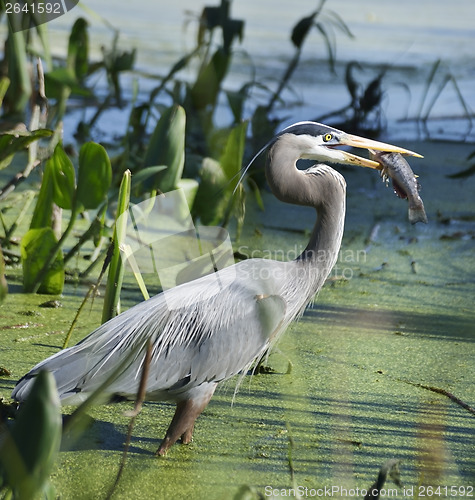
[(327, 137)]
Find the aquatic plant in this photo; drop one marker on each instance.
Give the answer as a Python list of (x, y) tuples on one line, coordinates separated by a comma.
[(111, 305), (325, 22), (30, 445), (364, 111), (42, 260), (426, 106), (158, 162)]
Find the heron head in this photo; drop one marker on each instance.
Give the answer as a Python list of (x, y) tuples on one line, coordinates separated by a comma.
[(316, 141)]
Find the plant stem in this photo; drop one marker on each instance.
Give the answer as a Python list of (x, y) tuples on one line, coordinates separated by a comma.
[(116, 267), (87, 235)]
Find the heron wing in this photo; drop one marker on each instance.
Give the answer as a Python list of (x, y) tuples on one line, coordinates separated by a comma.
[(206, 330), (233, 348)]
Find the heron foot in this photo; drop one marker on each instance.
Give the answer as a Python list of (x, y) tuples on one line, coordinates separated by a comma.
[(186, 438), (183, 421)]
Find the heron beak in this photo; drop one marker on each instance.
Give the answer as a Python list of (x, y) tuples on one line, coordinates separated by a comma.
[(346, 158), (361, 142)]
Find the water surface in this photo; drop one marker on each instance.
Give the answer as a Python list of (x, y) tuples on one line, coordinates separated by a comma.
[(408, 37)]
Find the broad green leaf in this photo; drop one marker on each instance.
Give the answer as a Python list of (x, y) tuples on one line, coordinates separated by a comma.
[(56, 80), (31, 446), (208, 84), (19, 91), (231, 159), (190, 188), (232, 28), (36, 246), (5, 156), (13, 141), (94, 175), (22, 131), (212, 17), (167, 147), (44, 204), (145, 173), (237, 99), (78, 49), (210, 204), (301, 29), (63, 178), (236, 102), (214, 201)]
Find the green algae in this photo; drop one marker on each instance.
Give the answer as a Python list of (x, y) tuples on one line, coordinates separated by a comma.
[(402, 315)]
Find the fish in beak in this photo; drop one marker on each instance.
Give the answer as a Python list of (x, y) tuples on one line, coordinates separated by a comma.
[(356, 141), (405, 183)]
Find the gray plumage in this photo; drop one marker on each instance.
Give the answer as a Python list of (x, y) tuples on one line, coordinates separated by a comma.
[(208, 330)]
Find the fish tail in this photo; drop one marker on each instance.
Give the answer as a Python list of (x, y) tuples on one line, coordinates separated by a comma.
[(417, 214)]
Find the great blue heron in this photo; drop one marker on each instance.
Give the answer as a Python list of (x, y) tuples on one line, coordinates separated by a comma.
[(207, 330)]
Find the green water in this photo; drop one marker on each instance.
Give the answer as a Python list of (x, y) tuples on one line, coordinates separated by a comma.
[(404, 316)]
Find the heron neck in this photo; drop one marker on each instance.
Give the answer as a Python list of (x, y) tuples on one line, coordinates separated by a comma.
[(325, 240), (319, 187)]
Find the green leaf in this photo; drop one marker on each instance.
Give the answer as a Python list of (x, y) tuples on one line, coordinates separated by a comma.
[(257, 193), (57, 79), (212, 17), (13, 141), (301, 29), (78, 49), (208, 84), (63, 178), (4, 84), (116, 267), (145, 173), (94, 175), (231, 159), (20, 88), (215, 191), (44, 204), (167, 147), (30, 448), (190, 188), (210, 204), (36, 246), (3, 282), (340, 24)]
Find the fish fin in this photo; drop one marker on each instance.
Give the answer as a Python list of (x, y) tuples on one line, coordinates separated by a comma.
[(417, 214), (399, 190)]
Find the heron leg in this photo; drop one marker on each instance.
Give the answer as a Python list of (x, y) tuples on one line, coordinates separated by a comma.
[(183, 422)]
